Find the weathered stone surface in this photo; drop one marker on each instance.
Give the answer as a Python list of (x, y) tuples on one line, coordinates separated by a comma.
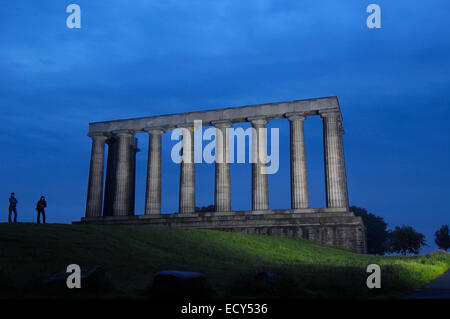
[(260, 189), (335, 176), (123, 174), (95, 186), (222, 191), (153, 189), (299, 182), (111, 171), (233, 114)]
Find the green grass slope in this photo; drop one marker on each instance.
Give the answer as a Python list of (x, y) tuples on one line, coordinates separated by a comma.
[(131, 255)]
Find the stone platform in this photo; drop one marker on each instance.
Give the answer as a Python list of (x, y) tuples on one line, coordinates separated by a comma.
[(331, 226)]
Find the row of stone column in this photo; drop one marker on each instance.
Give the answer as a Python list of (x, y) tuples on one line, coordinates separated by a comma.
[(119, 194), (112, 173)]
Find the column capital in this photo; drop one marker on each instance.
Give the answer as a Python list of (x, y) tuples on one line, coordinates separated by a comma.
[(222, 123), (125, 133), (258, 120), (334, 116), (292, 116), (99, 135), (330, 114), (154, 130)]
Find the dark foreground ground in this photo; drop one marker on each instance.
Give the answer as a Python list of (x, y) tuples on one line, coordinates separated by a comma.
[(131, 255)]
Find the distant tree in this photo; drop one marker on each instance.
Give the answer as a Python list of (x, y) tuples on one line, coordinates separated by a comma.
[(376, 231), (442, 238), (205, 209), (406, 240)]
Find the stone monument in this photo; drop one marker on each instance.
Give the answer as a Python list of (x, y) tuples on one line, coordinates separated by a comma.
[(113, 203)]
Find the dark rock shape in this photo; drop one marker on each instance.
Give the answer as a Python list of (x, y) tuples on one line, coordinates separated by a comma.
[(177, 284)]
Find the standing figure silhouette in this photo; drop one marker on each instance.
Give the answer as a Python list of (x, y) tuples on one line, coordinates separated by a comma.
[(40, 208), (12, 208)]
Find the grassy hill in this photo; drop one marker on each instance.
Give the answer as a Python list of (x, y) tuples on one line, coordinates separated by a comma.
[(30, 253)]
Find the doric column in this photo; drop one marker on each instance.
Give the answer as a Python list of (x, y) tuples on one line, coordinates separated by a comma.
[(299, 182), (95, 186), (134, 149), (222, 196), (187, 172), (153, 192), (123, 179), (335, 176), (111, 165), (260, 191)]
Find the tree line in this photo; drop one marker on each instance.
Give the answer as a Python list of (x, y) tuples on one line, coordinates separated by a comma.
[(403, 239)]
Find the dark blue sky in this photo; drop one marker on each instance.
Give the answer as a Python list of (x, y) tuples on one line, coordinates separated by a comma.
[(143, 58)]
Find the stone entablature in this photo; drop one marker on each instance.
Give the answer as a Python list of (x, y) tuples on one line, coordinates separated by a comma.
[(240, 114)]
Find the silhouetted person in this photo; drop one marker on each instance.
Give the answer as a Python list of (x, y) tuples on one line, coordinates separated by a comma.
[(12, 208), (40, 207)]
